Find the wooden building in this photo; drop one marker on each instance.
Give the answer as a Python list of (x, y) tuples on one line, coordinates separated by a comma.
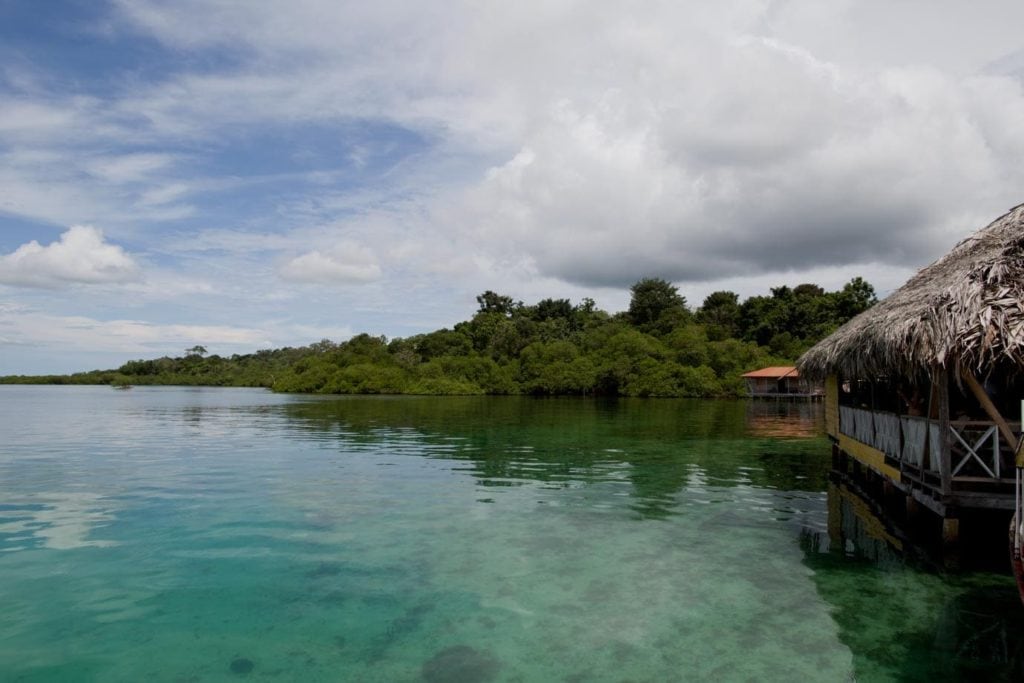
[(924, 389), (780, 382)]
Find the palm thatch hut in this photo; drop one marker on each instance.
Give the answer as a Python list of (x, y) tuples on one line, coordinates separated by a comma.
[(919, 387)]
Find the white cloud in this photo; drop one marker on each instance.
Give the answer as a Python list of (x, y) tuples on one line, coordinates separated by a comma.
[(690, 140), (50, 183), (80, 256), (234, 241), (129, 167), (29, 118), (126, 336), (70, 343), (163, 194), (785, 164), (347, 263)]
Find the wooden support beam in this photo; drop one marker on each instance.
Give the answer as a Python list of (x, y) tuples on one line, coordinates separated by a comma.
[(990, 409), (940, 379)]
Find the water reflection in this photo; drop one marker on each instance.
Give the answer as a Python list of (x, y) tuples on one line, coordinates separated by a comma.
[(61, 521), (855, 529), (901, 616), (785, 419), (658, 446)]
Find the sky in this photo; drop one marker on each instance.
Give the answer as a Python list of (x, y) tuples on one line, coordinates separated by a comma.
[(247, 174)]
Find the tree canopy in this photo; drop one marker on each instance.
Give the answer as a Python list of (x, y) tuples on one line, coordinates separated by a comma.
[(658, 347)]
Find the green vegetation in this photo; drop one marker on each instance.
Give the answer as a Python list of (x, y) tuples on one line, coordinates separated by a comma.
[(659, 347)]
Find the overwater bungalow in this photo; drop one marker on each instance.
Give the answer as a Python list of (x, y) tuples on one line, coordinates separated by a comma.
[(781, 382), (923, 390)]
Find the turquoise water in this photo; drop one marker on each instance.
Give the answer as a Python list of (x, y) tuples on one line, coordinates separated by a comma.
[(173, 534)]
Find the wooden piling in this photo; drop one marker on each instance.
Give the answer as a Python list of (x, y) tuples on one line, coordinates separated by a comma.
[(950, 532), (912, 507)]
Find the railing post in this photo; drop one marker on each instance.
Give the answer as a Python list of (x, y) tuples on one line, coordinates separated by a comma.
[(1016, 510), (995, 452)]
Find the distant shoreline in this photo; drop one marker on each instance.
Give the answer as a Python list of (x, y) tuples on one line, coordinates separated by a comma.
[(657, 348)]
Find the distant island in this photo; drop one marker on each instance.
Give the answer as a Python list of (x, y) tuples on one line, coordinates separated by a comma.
[(658, 347)]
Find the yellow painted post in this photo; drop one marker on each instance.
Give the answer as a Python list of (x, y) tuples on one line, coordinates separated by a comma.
[(832, 406)]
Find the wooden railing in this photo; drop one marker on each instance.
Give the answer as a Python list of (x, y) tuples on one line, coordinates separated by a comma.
[(980, 444), (976, 447)]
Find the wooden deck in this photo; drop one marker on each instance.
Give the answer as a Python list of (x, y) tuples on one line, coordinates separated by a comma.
[(968, 467)]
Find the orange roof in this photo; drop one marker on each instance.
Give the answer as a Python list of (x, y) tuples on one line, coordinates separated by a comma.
[(774, 373)]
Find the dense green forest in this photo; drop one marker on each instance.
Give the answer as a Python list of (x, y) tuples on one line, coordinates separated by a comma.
[(658, 347)]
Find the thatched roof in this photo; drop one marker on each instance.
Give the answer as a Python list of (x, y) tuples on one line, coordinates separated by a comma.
[(965, 311)]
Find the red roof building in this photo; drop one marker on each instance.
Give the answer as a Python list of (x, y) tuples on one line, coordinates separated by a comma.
[(780, 381)]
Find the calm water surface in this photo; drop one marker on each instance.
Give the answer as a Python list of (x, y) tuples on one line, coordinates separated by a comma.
[(173, 534)]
